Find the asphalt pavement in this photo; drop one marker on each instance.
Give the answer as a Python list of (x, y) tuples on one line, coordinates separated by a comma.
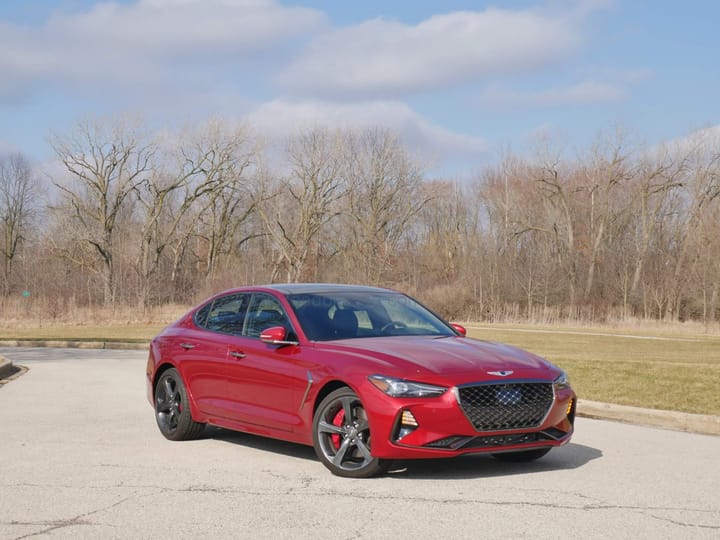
[(81, 457)]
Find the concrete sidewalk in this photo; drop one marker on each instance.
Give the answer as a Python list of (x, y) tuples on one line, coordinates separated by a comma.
[(679, 421)]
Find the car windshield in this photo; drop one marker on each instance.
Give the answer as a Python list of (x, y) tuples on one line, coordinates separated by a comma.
[(351, 314)]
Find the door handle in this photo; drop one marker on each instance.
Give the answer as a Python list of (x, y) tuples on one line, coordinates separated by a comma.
[(187, 346), (237, 354)]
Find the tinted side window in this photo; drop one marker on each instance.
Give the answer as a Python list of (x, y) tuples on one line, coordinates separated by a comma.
[(265, 311), (202, 313), (226, 314)]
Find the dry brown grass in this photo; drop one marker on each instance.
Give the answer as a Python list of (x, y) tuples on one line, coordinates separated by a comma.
[(39, 319), (21, 313), (138, 333)]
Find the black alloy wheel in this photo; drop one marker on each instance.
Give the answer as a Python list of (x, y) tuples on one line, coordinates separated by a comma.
[(341, 436), (172, 408)]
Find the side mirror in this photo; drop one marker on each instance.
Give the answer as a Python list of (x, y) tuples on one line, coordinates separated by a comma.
[(276, 335), (459, 328)]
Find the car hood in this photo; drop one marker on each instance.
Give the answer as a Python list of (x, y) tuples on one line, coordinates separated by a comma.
[(446, 356)]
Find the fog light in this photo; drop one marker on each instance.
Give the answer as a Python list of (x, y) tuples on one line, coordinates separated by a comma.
[(407, 425), (408, 419), (569, 407)]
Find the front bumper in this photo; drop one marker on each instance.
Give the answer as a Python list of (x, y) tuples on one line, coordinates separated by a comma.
[(444, 430)]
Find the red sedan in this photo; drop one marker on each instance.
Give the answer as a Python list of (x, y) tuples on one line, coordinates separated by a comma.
[(364, 375)]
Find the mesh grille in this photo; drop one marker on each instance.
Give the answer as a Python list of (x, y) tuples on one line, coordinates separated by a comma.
[(492, 407)]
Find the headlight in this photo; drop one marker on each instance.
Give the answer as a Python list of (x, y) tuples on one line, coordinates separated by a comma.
[(562, 382), (401, 388)]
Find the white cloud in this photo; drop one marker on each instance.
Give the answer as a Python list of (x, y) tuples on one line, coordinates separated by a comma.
[(124, 45), (382, 57), (281, 119), (704, 141), (164, 28), (596, 85), (179, 61), (584, 92)]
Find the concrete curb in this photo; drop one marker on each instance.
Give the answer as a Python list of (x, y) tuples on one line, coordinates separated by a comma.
[(126, 345), (694, 423), (6, 367)]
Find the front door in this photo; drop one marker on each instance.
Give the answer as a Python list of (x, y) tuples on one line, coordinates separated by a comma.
[(267, 381)]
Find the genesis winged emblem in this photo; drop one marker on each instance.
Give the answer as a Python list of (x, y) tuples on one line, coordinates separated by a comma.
[(501, 373)]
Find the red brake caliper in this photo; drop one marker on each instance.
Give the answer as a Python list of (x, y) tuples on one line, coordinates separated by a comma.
[(338, 421)]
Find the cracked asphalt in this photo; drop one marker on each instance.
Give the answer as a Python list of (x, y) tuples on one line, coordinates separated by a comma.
[(81, 457)]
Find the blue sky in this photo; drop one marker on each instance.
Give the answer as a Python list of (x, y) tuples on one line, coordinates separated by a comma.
[(461, 81)]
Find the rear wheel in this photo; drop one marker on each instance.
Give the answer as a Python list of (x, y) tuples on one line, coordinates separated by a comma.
[(172, 408), (523, 456), (341, 436)]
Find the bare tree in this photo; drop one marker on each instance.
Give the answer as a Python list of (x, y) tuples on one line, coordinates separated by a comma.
[(444, 221), (300, 206), (606, 173), (383, 197), (657, 178), (107, 163), (207, 177), (618, 230), (18, 189), (557, 188), (701, 189)]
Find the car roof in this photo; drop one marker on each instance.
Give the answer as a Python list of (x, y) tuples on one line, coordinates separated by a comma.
[(316, 288)]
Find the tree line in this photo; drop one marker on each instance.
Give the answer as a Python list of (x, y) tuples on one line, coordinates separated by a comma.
[(615, 232)]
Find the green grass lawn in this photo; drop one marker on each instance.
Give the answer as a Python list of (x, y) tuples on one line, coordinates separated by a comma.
[(678, 371), (672, 368)]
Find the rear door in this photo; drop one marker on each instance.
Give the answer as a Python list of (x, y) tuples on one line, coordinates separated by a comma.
[(205, 364)]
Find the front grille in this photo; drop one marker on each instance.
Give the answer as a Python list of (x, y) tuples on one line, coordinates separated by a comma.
[(493, 407)]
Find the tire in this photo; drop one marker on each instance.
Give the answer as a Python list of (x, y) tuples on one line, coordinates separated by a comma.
[(523, 456), (172, 408), (341, 436)]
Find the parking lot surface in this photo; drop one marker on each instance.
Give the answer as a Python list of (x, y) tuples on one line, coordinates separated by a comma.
[(81, 457)]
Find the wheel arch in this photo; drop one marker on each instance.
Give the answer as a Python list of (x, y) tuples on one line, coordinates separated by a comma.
[(162, 368), (327, 388)]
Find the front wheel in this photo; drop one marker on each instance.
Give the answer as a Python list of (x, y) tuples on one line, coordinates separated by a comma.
[(522, 456), (172, 408), (341, 436)]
